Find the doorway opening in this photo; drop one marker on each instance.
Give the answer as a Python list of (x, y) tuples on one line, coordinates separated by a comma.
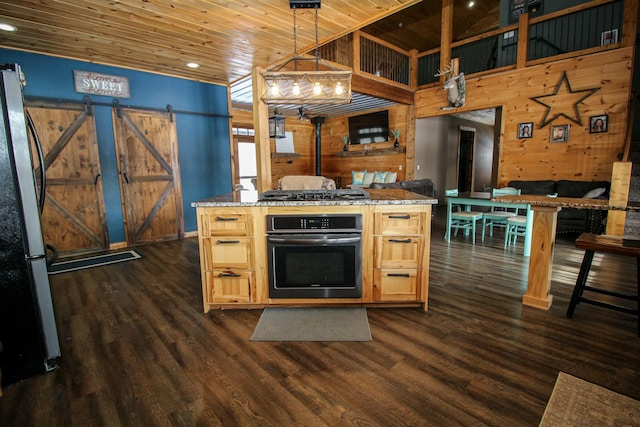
[(246, 168), (466, 151)]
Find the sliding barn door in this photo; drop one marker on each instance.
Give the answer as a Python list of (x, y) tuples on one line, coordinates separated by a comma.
[(73, 219), (147, 150)]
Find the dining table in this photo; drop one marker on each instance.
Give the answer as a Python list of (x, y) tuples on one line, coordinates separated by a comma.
[(484, 199), (545, 217)]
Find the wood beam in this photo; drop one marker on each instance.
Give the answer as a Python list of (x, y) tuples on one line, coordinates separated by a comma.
[(619, 196), (523, 40), (367, 86), (261, 129), (446, 37)]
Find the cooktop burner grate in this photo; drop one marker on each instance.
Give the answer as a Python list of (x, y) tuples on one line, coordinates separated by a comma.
[(302, 195)]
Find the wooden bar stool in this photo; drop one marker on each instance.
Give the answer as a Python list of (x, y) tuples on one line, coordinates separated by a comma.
[(611, 244)]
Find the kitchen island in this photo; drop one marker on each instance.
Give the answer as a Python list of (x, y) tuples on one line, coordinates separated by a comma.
[(392, 255)]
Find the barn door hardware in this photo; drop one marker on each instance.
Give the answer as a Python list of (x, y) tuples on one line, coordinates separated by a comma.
[(88, 110), (170, 110), (116, 105)]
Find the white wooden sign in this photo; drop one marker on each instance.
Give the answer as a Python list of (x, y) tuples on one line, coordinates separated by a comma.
[(285, 145), (101, 84)]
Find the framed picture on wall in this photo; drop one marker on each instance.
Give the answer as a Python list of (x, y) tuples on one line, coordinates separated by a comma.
[(609, 37), (560, 133), (598, 124), (525, 130)]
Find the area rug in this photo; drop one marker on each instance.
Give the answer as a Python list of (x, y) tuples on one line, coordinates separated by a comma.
[(313, 324), (92, 261), (575, 402)]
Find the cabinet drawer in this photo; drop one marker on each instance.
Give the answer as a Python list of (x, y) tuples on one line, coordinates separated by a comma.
[(399, 223), (396, 284), (226, 225), (398, 251), (228, 286), (227, 252)]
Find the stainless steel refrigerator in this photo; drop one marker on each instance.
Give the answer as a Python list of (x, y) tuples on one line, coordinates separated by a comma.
[(28, 331)]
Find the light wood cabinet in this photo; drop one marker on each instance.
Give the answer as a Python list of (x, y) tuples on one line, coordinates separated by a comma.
[(227, 257), (234, 259), (399, 253)]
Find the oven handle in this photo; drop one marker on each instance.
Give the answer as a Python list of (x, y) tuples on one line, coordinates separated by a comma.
[(306, 241)]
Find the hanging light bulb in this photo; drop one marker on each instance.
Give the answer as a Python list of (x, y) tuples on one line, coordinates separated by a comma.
[(339, 88), (317, 89), (274, 90), (296, 89)]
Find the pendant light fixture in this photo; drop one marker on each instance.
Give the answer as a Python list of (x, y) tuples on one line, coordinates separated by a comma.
[(306, 87), (276, 125)]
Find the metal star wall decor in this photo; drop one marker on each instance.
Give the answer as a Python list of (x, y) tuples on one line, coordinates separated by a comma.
[(559, 99)]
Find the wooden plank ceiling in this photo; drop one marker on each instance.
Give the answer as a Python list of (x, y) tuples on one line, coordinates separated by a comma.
[(228, 39)]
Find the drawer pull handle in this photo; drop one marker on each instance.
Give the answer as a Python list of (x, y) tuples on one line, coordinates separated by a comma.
[(399, 216), (400, 240), (398, 275), (229, 275), (228, 242), (219, 218)]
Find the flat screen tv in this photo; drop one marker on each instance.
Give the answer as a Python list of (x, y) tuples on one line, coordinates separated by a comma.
[(368, 128)]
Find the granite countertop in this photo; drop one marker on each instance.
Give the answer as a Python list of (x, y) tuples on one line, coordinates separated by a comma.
[(386, 196), (566, 202)]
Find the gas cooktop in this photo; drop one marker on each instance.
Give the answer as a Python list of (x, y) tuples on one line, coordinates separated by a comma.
[(302, 195)]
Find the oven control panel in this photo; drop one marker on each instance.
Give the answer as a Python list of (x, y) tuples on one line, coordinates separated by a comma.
[(314, 223)]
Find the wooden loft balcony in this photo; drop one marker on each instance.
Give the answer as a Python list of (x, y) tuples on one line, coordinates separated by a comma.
[(594, 26)]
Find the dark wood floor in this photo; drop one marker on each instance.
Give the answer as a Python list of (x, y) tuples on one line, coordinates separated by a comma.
[(138, 351)]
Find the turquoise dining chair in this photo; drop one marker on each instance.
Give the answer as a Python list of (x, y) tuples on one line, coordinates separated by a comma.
[(497, 217), (516, 227), (462, 219)]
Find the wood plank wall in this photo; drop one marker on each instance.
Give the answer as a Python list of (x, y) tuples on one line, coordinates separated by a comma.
[(304, 145), (586, 156), (304, 138), (334, 128)]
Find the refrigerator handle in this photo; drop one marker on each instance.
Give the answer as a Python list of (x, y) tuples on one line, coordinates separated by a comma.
[(43, 168)]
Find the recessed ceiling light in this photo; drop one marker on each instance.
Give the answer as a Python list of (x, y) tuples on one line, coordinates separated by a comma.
[(471, 4), (192, 65), (7, 27)]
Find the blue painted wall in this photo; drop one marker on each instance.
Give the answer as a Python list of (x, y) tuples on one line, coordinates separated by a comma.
[(203, 141)]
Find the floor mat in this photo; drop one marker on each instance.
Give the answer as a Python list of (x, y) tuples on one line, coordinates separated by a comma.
[(313, 324), (93, 261)]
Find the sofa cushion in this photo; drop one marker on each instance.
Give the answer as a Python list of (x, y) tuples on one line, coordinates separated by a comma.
[(379, 176), (420, 186), (357, 177), (570, 188), (391, 177), (542, 187), (595, 193), (368, 179)]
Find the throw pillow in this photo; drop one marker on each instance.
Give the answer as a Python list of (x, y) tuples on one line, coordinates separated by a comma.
[(368, 179), (379, 176), (391, 177), (357, 177), (596, 192)]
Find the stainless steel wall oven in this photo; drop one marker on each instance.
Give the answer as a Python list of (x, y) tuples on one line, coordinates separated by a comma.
[(315, 256)]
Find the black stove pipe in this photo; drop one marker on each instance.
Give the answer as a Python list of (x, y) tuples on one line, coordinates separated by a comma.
[(318, 121)]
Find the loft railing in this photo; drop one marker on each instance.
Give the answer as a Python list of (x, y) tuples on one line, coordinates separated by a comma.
[(375, 57), (587, 27), (338, 51), (549, 36), (383, 61), (584, 29)]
